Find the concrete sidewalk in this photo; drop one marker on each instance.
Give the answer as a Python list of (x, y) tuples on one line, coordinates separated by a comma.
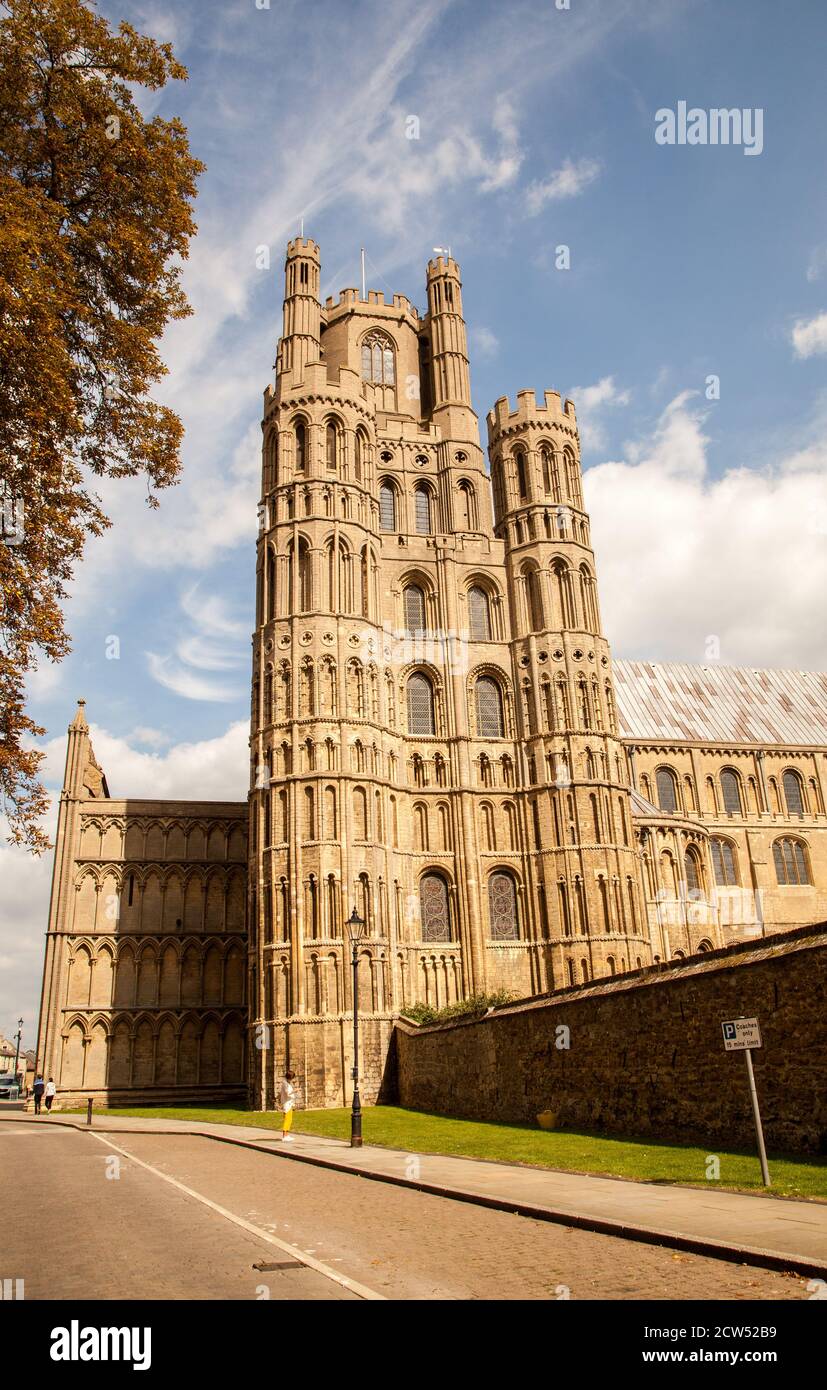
[(772, 1232)]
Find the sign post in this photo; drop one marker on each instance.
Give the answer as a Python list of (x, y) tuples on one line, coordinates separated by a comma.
[(742, 1035)]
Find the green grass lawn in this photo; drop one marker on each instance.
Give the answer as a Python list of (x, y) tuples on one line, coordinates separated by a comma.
[(645, 1160)]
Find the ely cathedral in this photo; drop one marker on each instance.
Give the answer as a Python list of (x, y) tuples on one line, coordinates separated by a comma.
[(439, 737)]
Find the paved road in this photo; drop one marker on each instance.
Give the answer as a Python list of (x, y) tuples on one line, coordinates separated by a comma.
[(132, 1237), (137, 1236)]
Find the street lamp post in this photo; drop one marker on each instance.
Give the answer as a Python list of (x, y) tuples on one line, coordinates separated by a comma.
[(17, 1048), (356, 930)]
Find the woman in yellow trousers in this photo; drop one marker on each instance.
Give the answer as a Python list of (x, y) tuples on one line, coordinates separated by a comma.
[(287, 1100)]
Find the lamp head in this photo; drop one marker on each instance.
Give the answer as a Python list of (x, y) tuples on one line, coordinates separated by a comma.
[(355, 927)]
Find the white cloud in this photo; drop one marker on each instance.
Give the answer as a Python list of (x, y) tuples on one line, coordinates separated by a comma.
[(483, 342), (818, 263), (214, 769), (682, 555), (566, 182), (45, 680), (509, 159), (809, 336), (590, 403), (153, 738), (181, 681), (214, 641)]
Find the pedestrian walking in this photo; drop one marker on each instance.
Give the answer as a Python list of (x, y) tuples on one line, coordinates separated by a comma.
[(287, 1100), (49, 1093), (37, 1091)]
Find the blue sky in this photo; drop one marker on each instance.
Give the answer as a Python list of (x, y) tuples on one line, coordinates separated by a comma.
[(536, 129)]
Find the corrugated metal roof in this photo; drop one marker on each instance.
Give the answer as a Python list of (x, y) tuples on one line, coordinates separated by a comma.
[(720, 704)]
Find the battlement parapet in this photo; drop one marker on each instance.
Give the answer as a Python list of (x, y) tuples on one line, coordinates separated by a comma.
[(503, 418), (350, 301), (443, 265), (301, 246)]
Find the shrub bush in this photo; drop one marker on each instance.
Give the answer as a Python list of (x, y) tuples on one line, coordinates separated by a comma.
[(473, 1007)]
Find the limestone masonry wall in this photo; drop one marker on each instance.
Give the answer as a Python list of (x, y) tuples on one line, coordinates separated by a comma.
[(646, 1052)]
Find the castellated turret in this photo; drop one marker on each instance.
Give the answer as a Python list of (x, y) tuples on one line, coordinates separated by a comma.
[(562, 669), (433, 734)]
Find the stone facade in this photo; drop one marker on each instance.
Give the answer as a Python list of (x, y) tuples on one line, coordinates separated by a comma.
[(434, 731), (644, 1054), (753, 818), (436, 737), (144, 977)]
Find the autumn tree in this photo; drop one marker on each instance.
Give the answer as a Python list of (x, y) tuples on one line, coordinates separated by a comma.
[(95, 221)]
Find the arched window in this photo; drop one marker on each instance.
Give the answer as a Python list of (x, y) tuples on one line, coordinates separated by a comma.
[(365, 574), (301, 446), (271, 456), (572, 475), (522, 482), (467, 507), (533, 598), (588, 599), (667, 792), (387, 506), (731, 792), (724, 863), (434, 911), (545, 460), (414, 599), (692, 871), (790, 862), (479, 615), (562, 601), (793, 794), (377, 359), (489, 708), (502, 908), (271, 583), (300, 594), (309, 813), (420, 704), (422, 504), (331, 437)]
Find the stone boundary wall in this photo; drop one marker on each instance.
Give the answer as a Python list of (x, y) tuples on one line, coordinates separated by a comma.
[(646, 1053)]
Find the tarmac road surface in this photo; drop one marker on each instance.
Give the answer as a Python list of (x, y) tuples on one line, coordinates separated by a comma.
[(168, 1227)]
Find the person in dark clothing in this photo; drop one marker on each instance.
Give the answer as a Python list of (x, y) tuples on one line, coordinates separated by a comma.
[(37, 1091)]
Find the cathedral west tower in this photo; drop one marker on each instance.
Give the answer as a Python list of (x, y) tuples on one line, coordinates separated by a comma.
[(438, 737), (434, 736)]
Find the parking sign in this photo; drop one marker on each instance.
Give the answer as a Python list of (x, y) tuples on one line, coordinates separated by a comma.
[(741, 1033)]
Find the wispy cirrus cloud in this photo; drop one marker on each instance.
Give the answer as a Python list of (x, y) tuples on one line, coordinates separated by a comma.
[(213, 641), (569, 181)]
